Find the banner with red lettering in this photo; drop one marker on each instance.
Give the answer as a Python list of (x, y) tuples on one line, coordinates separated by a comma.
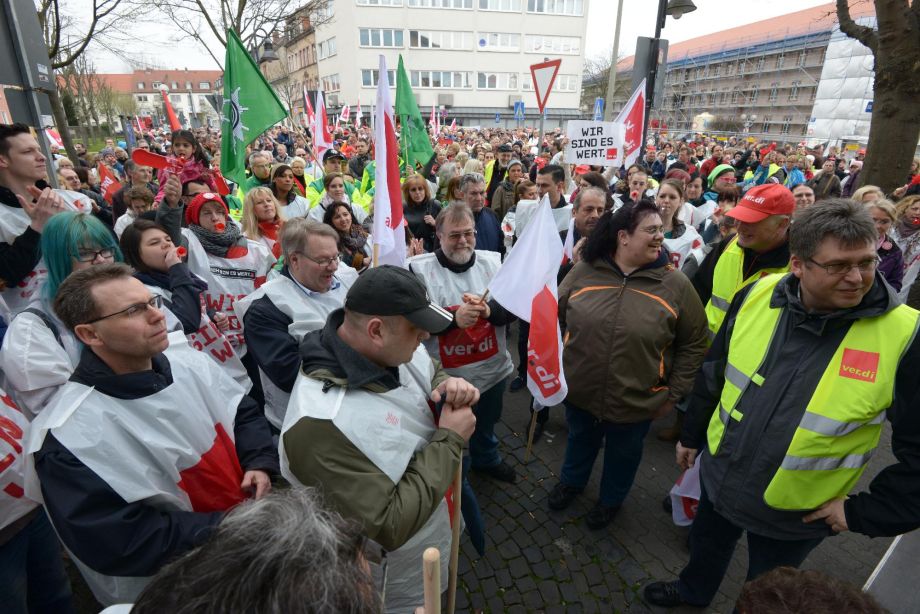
[(108, 183), (526, 286)]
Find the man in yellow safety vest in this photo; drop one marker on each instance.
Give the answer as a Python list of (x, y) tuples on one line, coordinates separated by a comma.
[(789, 405)]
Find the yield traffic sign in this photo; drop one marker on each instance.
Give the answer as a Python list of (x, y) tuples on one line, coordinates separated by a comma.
[(544, 75)]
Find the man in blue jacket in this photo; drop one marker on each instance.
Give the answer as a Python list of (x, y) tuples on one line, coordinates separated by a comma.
[(488, 228)]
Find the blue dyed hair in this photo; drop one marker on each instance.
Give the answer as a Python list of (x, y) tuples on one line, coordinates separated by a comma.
[(62, 238)]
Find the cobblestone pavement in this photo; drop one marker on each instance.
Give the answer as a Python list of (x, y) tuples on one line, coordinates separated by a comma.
[(543, 561)]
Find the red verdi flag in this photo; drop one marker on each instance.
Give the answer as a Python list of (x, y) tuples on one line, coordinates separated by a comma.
[(108, 184), (389, 232), (173, 120), (633, 117)]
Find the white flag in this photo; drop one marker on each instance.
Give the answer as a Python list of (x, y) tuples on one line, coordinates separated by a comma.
[(389, 232)]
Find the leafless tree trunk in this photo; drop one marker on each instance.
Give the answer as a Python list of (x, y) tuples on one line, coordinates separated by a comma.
[(895, 127)]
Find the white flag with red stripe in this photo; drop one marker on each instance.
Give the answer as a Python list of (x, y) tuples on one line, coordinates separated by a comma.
[(358, 114), (389, 232), (453, 125), (568, 248), (308, 109), (322, 138), (632, 117), (526, 286)]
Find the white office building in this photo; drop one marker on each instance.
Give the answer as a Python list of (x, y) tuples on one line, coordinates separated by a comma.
[(469, 58)]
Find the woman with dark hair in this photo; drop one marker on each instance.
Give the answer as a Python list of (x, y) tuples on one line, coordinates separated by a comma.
[(635, 367), (283, 186), (157, 264), (420, 210), (354, 247)]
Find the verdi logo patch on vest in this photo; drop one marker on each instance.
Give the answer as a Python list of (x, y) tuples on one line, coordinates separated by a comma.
[(860, 365), (465, 346)]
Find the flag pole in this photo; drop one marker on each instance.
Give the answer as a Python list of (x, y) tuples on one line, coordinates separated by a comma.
[(431, 576), (530, 431), (454, 544)]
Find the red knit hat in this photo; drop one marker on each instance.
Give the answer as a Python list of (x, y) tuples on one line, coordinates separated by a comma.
[(193, 209)]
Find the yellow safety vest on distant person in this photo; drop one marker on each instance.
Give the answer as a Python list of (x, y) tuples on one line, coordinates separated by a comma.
[(842, 423)]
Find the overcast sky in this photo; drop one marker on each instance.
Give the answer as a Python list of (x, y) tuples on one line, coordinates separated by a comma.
[(638, 20)]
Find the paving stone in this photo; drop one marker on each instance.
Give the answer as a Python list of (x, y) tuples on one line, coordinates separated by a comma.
[(550, 591), (543, 570), (518, 567), (569, 592)]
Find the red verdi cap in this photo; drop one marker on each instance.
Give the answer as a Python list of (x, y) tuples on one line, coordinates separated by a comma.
[(760, 202)]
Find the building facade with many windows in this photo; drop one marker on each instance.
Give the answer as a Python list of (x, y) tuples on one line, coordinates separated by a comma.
[(468, 58)]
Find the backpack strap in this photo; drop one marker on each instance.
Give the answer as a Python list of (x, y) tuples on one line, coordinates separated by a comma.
[(41, 315)]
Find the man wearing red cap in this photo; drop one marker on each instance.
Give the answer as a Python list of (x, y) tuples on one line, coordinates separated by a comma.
[(760, 247)]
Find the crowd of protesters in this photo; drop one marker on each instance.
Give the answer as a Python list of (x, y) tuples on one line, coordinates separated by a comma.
[(172, 355)]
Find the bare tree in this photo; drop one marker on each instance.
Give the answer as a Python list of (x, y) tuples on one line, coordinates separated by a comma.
[(253, 20), (895, 127), (595, 78)]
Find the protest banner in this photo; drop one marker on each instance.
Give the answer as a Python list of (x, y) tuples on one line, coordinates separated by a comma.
[(593, 142)]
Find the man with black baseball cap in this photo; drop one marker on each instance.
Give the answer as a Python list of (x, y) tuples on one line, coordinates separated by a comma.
[(362, 426), (496, 174)]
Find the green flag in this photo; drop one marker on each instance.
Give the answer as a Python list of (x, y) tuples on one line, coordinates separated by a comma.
[(414, 144), (251, 107)]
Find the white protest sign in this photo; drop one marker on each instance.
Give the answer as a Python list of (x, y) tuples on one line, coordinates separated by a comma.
[(599, 143)]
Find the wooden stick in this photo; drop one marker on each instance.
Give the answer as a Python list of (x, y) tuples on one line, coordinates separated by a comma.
[(454, 544), (530, 431), (431, 570), (376, 254)]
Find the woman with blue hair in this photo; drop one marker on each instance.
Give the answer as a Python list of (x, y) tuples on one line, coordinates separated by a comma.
[(39, 353)]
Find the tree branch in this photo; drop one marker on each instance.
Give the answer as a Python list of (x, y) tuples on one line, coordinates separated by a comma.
[(867, 36)]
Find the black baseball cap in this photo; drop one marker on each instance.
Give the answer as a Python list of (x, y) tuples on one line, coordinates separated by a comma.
[(504, 148), (393, 291), (332, 153)]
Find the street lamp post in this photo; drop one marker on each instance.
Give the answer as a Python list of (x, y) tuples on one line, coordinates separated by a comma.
[(748, 121), (676, 9)]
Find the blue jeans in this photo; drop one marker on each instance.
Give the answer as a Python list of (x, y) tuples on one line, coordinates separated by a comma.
[(484, 443), (33, 573), (622, 453), (712, 543)]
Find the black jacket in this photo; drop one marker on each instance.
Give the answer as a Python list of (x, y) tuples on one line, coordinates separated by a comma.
[(415, 219), (186, 292), (133, 539), (753, 262), (19, 258), (751, 452)]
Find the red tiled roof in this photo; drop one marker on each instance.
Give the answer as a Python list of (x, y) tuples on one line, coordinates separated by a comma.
[(128, 83), (820, 18)]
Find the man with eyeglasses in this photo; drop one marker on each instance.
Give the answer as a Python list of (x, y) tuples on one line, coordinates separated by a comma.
[(475, 346), (260, 164), (312, 284), (788, 408), (760, 247), (141, 452), (488, 230)]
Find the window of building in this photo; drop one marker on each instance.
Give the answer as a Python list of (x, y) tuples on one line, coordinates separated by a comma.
[(794, 92), (500, 5), (780, 60), (497, 80), (188, 85), (755, 93), (723, 97), (175, 98), (556, 7), (331, 83), (175, 85), (565, 45), (712, 98), (766, 124), (140, 85), (441, 4), (563, 83), (431, 39), (378, 37), (730, 69), (326, 49), (787, 123), (369, 77), (444, 79), (736, 94), (499, 41), (380, 2), (716, 70), (142, 98), (156, 85), (774, 90), (803, 57), (760, 63)]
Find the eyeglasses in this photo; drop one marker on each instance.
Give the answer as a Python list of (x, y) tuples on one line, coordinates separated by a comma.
[(132, 310), (652, 230), (322, 262), (469, 235), (89, 255), (842, 268)]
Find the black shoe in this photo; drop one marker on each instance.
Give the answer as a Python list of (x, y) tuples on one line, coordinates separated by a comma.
[(561, 496), (667, 505), (502, 471), (516, 384), (664, 594), (601, 515)]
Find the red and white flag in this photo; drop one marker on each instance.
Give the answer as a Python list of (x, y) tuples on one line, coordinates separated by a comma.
[(526, 286), (308, 109), (568, 248), (358, 115), (54, 138), (433, 121), (343, 116), (170, 112), (389, 233), (632, 117), (108, 183), (453, 125), (322, 138)]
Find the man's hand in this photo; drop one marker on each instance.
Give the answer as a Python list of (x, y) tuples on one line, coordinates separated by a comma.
[(475, 299), (456, 391), (686, 457), (577, 249), (664, 410), (468, 313), (46, 203), (459, 420), (172, 257), (221, 320), (257, 483), (832, 513), (172, 191)]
